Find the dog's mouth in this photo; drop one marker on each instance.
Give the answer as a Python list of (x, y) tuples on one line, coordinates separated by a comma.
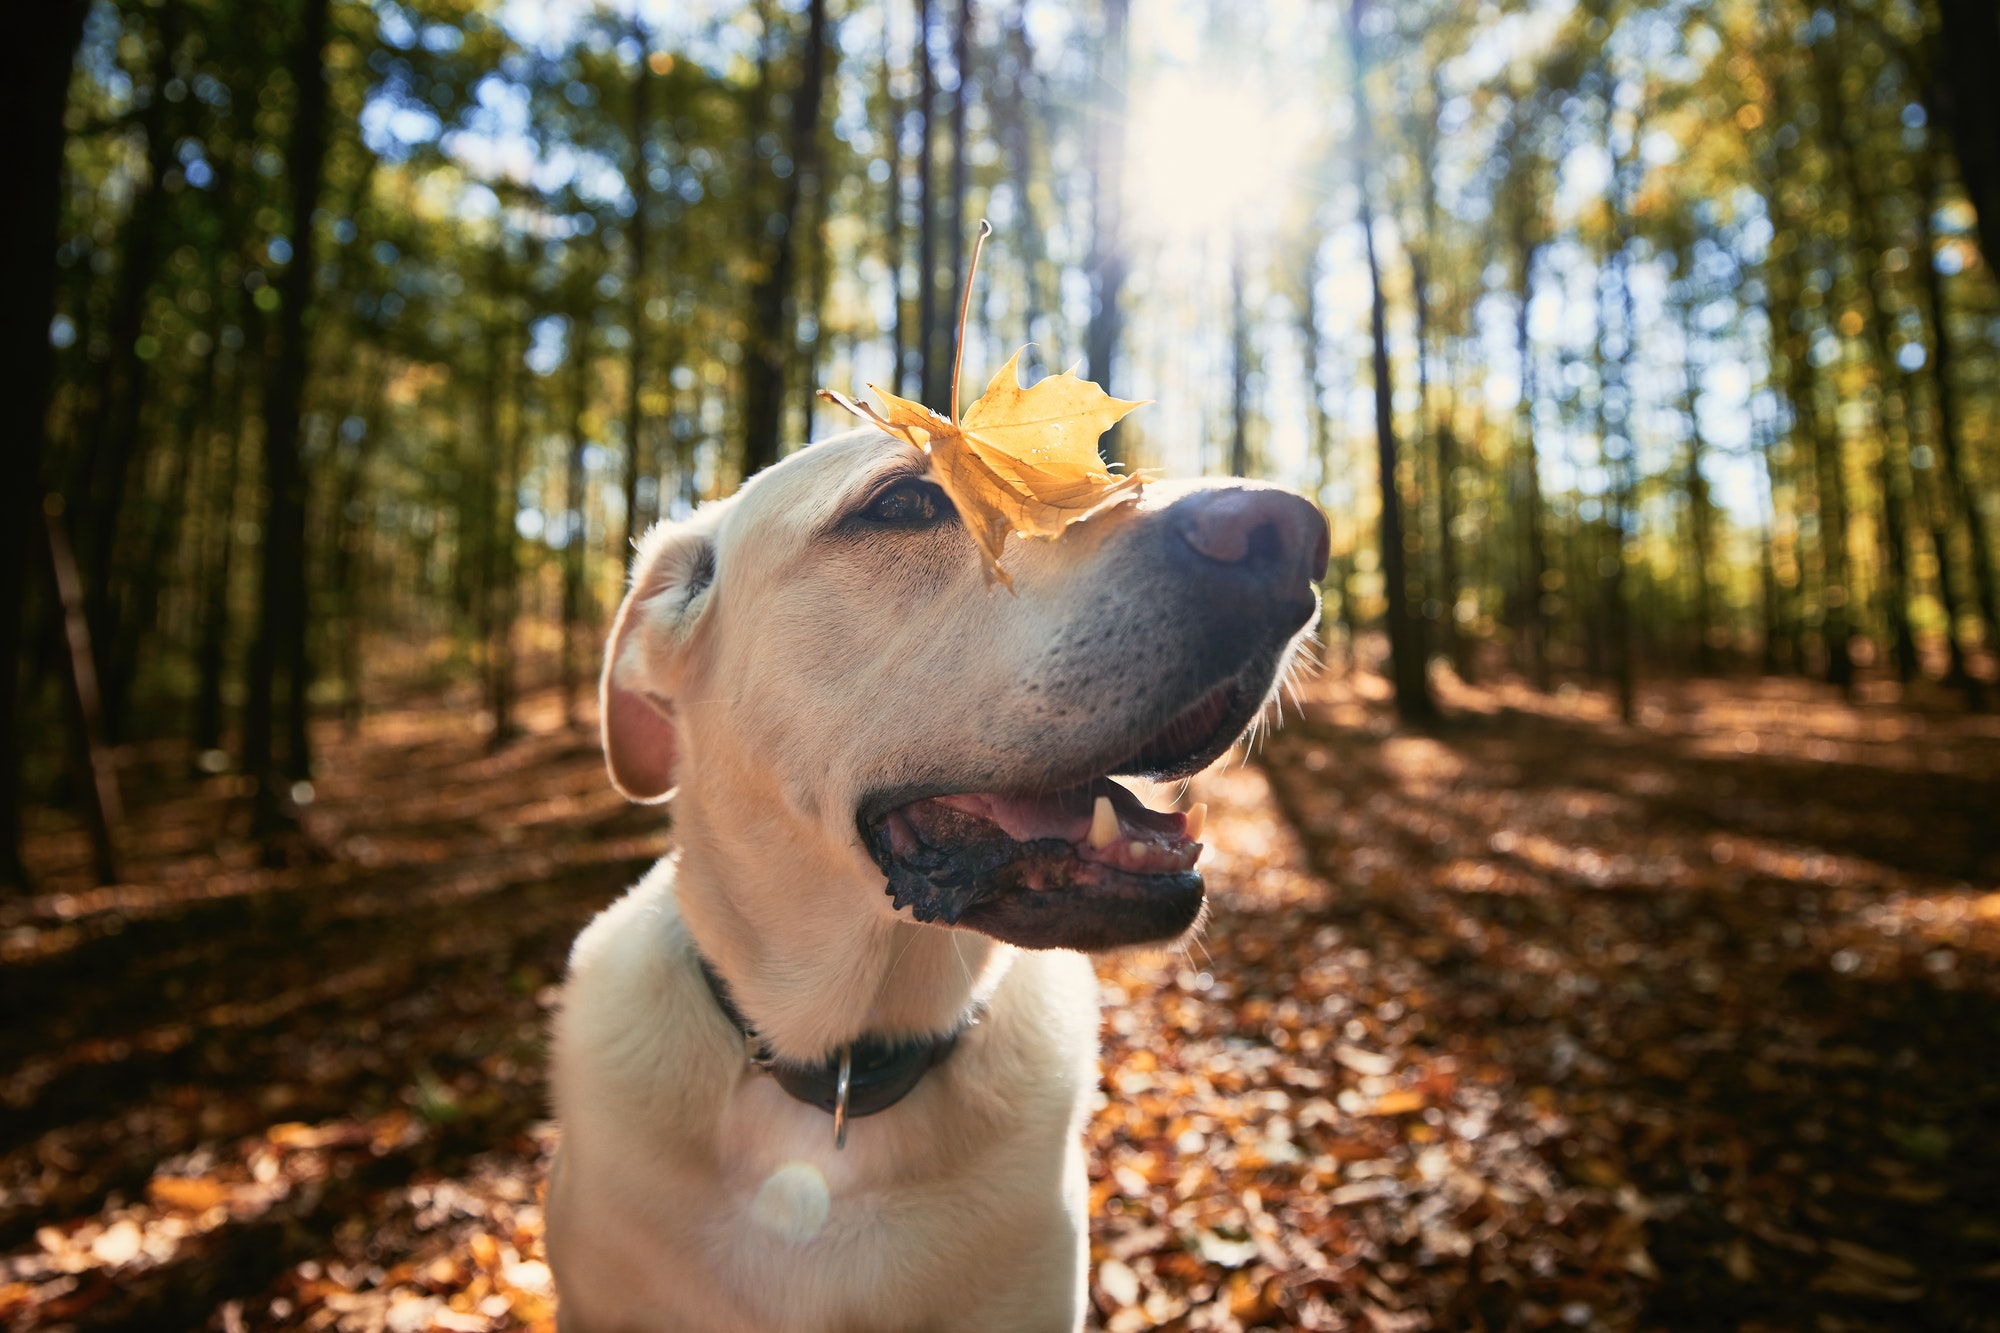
[(1084, 866)]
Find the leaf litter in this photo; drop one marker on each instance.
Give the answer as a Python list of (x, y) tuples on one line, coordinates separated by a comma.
[(1527, 1022)]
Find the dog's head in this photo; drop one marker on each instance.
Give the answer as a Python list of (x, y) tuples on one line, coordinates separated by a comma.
[(820, 668)]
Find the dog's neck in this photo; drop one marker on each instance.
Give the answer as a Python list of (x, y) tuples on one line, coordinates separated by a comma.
[(798, 927)]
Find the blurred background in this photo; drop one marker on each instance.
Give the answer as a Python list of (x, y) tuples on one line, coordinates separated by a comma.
[(374, 331), (1645, 358)]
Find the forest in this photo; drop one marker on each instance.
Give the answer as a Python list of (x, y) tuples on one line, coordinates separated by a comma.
[(1608, 936)]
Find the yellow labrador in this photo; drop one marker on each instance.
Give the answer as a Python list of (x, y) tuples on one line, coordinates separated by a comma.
[(827, 1067)]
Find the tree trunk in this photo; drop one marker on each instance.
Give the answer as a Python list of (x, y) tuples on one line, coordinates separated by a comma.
[(1891, 408), (1106, 262), (1836, 558), (99, 774), (575, 525), (279, 650), (212, 634), (350, 546), (1407, 667), (117, 443), (1951, 452), (1528, 478), (1444, 455), (1966, 56), (136, 614), (1030, 243), (1819, 445), (893, 115), (1701, 512), (961, 59), (1622, 461), (1239, 364), (1319, 427), (506, 539), (1935, 524), (1781, 650), (1413, 695), (635, 366), (771, 337), (1444, 443), (41, 45), (933, 370)]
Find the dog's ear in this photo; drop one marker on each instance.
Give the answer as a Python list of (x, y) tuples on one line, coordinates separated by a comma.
[(671, 577)]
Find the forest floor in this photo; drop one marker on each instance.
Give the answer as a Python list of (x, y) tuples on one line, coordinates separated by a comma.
[(1524, 1020)]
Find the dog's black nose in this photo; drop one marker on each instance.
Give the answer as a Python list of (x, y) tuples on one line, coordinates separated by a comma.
[(1270, 536)]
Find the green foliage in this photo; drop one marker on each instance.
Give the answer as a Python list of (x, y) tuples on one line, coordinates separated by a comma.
[(1730, 238)]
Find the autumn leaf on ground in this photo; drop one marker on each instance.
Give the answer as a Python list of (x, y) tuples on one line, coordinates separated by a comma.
[(1020, 460)]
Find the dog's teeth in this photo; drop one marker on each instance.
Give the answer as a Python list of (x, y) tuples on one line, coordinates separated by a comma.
[(1197, 819), (1103, 824), (1136, 847)]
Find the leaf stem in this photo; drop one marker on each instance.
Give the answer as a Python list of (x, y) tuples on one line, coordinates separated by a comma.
[(965, 305)]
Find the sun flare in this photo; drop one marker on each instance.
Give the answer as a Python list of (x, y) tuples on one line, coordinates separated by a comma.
[(1211, 156)]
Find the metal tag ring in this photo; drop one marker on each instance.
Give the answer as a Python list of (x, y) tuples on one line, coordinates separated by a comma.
[(840, 1097)]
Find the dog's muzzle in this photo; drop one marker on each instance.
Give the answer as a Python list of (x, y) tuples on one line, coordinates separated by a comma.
[(1067, 858)]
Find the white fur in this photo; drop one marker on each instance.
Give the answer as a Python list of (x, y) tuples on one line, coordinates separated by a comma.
[(772, 667), (962, 1207)]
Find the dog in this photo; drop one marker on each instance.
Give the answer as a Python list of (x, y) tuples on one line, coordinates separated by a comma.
[(827, 1067)]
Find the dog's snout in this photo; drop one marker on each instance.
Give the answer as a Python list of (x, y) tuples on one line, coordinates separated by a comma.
[(1266, 532)]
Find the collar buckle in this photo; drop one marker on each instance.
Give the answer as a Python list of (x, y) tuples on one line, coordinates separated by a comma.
[(840, 1091)]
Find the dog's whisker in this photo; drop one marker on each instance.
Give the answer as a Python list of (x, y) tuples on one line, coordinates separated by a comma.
[(970, 984), (898, 960)]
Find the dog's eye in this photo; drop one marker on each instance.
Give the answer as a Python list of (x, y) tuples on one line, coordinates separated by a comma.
[(909, 504)]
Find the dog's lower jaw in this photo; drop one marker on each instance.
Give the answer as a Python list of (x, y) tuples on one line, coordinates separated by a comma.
[(808, 949)]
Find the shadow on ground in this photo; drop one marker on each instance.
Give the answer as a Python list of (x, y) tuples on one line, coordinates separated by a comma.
[(1529, 1020)]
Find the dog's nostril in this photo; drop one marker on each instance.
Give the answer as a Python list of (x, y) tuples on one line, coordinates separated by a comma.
[(1265, 546), (1263, 528)]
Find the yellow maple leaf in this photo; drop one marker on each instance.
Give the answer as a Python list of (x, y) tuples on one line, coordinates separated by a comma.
[(1020, 460)]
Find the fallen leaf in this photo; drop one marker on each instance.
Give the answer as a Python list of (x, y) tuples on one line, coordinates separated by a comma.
[(1401, 1101), (1223, 1251), (1364, 1191), (1119, 1284), (1021, 460), (119, 1244), (1367, 1063), (194, 1194)]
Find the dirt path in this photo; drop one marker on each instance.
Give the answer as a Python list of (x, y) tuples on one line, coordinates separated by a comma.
[(1526, 1022)]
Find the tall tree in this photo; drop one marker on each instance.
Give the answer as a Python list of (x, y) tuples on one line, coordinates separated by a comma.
[(772, 335), (1694, 483), (1406, 660), (1019, 101), (1950, 420), (34, 90), (1525, 462), (1890, 405), (279, 650), (1239, 362), (575, 517), (116, 443), (893, 113), (636, 238), (1106, 263), (932, 372), (1966, 55), (961, 60)]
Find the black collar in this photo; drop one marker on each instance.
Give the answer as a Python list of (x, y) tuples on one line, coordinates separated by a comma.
[(877, 1072)]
